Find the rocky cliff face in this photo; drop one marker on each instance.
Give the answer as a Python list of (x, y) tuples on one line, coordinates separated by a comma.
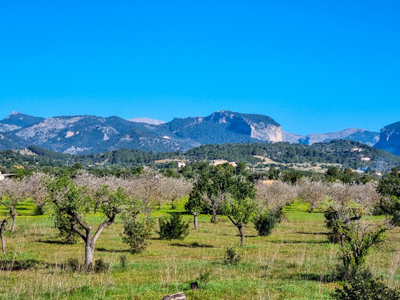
[(227, 127), (390, 139)]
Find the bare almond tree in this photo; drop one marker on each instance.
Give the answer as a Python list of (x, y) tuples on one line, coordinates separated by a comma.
[(35, 188), (312, 192), (149, 186), (173, 189), (275, 196), (215, 202), (347, 203), (12, 192)]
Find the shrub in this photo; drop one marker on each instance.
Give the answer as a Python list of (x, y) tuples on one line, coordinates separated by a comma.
[(173, 227), (231, 257), (123, 259), (101, 266), (137, 233), (204, 277), (362, 286), (264, 223)]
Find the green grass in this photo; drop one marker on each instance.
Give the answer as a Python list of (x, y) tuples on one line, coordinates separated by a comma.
[(294, 262)]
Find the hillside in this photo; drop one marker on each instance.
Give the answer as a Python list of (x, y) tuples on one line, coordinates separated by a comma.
[(345, 153)]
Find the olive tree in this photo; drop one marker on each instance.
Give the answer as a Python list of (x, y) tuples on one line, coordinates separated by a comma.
[(76, 202)]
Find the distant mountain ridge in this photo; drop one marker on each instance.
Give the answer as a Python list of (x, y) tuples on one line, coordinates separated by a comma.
[(369, 138), (91, 134)]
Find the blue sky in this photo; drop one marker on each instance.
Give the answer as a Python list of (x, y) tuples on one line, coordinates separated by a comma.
[(313, 66)]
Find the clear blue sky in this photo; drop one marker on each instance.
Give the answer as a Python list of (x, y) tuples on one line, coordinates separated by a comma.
[(313, 66)]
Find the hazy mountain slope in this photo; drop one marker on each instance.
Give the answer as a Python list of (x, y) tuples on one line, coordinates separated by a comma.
[(146, 121), (355, 134), (20, 120)]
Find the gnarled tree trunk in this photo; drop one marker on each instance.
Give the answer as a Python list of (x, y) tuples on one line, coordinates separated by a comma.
[(89, 251)]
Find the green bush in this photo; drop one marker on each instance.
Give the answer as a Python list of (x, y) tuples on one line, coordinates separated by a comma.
[(101, 266), (137, 233), (265, 222), (362, 286), (173, 227)]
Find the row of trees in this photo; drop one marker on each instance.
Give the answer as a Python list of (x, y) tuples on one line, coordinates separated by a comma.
[(222, 190), (72, 199)]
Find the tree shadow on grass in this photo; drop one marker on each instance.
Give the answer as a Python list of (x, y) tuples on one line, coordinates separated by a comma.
[(324, 278), (192, 245), (52, 242), (313, 233), (300, 242), (102, 249)]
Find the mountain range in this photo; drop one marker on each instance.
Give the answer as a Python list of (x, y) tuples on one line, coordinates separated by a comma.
[(91, 134)]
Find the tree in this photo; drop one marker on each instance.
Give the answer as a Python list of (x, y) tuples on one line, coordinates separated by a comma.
[(76, 202), (173, 189), (312, 192), (274, 197), (11, 193), (211, 190), (240, 211), (348, 203), (389, 188), (3, 227), (36, 190)]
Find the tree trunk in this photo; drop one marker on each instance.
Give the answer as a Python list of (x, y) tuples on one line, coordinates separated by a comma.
[(14, 214), (241, 235), (214, 217), (3, 242), (195, 214), (89, 251), (311, 208)]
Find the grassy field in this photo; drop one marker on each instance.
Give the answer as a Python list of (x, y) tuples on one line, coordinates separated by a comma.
[(295, 262)]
